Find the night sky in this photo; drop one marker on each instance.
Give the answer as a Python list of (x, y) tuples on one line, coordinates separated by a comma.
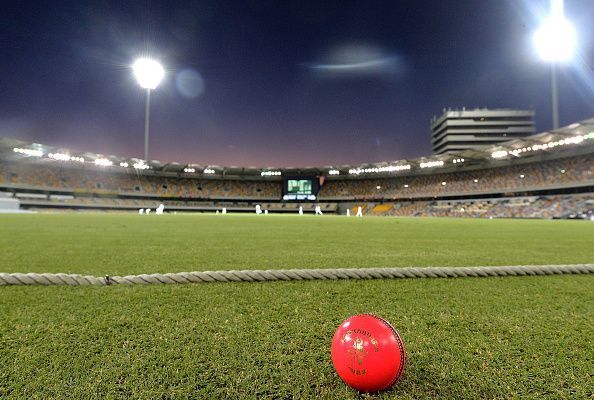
[(276, 83)]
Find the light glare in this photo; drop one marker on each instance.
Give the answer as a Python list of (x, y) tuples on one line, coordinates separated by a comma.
[(148, 73), (556, 39)]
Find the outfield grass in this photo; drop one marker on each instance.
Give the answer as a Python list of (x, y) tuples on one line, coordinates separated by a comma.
[(121, 244), (521, 337)]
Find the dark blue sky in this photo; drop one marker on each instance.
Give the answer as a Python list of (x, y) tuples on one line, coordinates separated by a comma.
[(253, 83)]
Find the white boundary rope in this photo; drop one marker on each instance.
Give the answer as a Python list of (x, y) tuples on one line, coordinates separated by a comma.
[(293, 274)]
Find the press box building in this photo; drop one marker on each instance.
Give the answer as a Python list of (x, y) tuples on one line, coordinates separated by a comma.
[(466, 129)]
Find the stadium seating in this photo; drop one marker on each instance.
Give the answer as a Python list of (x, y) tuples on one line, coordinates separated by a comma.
[(91, 180), (515, 207), (54, 184), (380, 209), (541, 175), (534, 176)]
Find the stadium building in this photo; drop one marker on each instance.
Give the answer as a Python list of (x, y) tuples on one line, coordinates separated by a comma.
[(548, 175), (457, 130)]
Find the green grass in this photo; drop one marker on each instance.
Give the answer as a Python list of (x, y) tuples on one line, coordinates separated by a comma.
[(525, 337), (123, 244)]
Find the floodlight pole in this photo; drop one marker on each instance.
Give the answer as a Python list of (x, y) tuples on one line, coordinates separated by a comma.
[(146, 124), (555, 95)]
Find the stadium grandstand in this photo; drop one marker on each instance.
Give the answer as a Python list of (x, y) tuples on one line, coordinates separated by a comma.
[(548, 175)]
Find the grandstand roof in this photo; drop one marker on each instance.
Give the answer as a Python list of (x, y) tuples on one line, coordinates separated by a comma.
[(577, 134)]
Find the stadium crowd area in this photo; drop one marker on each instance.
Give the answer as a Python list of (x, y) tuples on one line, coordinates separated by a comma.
[(552, 173), (57, 185), (106, 181), (545, 174), (546, 207)]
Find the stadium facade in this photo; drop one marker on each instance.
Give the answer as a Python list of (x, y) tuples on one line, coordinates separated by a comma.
[(549, 175), (457, 130)]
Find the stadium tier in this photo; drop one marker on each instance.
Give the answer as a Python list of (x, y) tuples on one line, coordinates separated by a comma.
[(549, 175)]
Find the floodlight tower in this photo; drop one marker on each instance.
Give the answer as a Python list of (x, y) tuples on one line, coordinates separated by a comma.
[(149, 74), (555, 42)]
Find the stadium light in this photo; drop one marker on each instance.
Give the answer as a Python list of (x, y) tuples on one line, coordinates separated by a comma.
[(140, 165), (103, 162), (377, 170), (28, 152), (270, 173), (148, 74), (578, 139), (65, 157), (555, 42), (431, 164)]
